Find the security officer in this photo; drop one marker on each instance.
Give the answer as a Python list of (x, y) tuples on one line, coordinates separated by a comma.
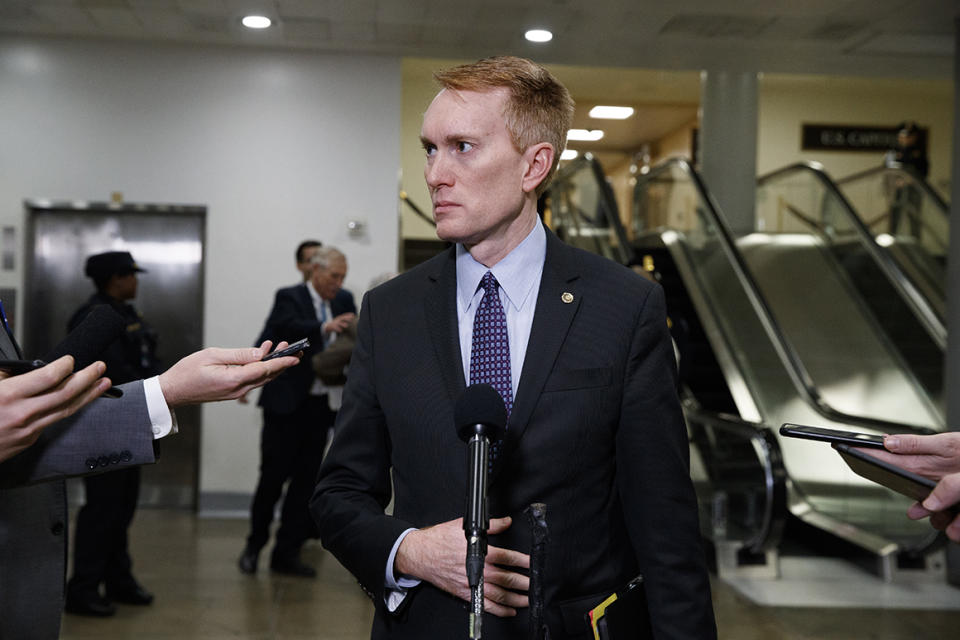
[(101, 555)]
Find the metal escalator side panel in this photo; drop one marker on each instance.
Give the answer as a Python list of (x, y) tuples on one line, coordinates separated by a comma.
[(843, 349), (803, 198)]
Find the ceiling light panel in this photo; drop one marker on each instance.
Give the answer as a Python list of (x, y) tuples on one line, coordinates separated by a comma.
[(604, 112), (586, 135)]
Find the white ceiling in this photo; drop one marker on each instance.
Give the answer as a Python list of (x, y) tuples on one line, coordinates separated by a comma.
[(655, 39), (858, 37)]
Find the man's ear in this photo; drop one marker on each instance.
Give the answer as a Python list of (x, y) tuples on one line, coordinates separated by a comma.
[(539, 159)]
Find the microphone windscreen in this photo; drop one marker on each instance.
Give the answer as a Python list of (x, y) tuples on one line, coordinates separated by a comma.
[(480, 404), (91, 337)]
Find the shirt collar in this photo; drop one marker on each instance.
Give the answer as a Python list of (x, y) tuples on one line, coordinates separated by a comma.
[(517, 273), (317, 300)]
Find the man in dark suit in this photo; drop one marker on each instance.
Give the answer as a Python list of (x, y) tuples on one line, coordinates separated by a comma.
[(53, 427), (101, 548), (296, 414), (594, 431)]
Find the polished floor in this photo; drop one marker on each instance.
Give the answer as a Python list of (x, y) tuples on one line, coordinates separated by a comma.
[(189, 564)]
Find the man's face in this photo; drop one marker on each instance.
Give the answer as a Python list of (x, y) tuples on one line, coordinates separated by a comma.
[(473, 171), (304, 264), (328, 281)]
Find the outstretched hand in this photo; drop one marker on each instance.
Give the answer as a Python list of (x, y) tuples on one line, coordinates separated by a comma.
[(221, 374), (937, 457), (438, 555), (32, 401)]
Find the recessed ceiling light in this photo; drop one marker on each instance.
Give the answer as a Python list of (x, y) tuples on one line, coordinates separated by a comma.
[(538, 35), (602, 112), (256, 22), (569, 154), (589, 135)]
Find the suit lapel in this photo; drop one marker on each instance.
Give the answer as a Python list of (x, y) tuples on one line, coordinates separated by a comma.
[(305, 301), (551, 322), (440, 307)]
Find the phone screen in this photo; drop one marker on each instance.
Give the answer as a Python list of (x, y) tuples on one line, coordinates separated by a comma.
[(872, 440)]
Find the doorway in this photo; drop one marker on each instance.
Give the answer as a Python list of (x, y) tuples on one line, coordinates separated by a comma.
[(167, 241)]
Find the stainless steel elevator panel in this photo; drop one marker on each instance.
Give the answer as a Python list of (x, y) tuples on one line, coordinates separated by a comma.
[(166, 241)]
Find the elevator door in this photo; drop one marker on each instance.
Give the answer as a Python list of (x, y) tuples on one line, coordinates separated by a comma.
[(166, 241)]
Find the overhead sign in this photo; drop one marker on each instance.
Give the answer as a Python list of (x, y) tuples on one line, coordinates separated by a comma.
[(839, 137)]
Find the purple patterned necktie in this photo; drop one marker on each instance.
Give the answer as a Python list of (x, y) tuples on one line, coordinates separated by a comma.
[(490, 351)]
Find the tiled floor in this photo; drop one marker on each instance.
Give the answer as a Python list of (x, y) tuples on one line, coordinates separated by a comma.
[(190, 566)]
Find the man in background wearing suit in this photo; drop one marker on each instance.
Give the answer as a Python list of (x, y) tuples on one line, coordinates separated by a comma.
[(594, 430), (53, 426), (296, 415)]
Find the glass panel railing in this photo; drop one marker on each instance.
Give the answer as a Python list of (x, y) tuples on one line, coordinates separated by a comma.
[(580, 208), (910, 221), (740, 480), (744, 329)]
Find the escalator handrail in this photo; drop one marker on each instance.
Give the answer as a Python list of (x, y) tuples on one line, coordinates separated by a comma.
[(908, 291), (768, 452), (795, 368), (896, 166), (417, 210)]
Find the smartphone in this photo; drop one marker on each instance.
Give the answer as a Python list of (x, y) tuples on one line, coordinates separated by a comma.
[(16, 367), (882, 472), (292, 350), (870, 440)]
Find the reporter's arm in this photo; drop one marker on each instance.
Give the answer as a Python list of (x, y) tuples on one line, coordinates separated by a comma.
[(105, 435), (33, 401)]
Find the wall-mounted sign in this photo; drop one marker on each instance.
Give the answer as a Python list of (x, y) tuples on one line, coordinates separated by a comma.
[(839, 137)]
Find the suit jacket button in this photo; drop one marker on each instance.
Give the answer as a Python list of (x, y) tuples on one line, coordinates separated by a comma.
[(56, 528), (91, 463), (103, 461), (114, 458), (126, 456)]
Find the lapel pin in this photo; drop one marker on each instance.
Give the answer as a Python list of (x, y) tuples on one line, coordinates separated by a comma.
[(567, 297)]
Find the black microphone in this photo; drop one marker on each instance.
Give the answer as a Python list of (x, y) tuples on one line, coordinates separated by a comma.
[(90, 338), (480, 417)]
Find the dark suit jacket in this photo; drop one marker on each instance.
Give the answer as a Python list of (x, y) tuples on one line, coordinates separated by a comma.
[(293, 317), (108, 434), (596, 433)]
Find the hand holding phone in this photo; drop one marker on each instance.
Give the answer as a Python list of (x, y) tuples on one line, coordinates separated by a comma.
[(292, 350), (882, 472), (17, 367)]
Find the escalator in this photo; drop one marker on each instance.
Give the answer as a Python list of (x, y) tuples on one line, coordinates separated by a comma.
[(910, 221), (808, 232), (742, 374)]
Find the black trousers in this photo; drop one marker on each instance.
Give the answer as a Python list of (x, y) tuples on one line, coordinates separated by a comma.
[(291, 448), (101, 554)]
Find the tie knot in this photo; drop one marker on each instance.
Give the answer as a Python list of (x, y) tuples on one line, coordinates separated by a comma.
[(489, 282)]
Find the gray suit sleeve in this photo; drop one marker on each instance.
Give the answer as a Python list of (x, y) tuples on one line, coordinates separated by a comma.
[(108, 434)]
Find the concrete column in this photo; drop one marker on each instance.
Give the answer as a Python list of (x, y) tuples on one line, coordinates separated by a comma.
[(728, 143), (952, 377)]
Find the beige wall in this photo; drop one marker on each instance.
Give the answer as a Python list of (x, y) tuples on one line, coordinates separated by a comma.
[(418, 91), (676, 144), (788, 101)]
